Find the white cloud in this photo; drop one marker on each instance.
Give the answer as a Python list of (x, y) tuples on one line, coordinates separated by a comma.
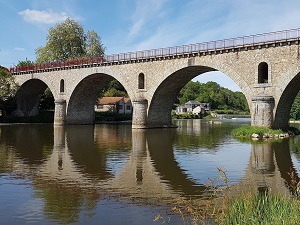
[(19, 49), (44, 17)]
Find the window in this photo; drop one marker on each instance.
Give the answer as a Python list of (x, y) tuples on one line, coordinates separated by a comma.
[(62, 86), (141, 84), (263, 73), (120, 107)]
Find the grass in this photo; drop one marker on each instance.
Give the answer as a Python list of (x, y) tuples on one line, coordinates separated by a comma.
[(248, 208), (247, 131), (263, 209)]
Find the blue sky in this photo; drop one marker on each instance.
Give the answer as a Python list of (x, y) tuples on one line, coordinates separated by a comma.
[(131, 25)]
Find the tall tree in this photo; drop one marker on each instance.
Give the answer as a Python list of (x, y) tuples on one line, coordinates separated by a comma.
[(8, 90), (67, 40), (94, 46)]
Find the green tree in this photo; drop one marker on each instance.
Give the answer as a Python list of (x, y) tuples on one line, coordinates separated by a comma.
[(211, 92), (26, 62), (67, 40), (94, 46), (295, 110), (113, 89), (8, 89)]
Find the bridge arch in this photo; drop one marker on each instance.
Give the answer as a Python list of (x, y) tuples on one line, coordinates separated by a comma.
[(28, 97), (285, 102), (80, 108), (159, 111)]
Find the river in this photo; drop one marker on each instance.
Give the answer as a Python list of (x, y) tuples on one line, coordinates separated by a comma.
[(111, 174)]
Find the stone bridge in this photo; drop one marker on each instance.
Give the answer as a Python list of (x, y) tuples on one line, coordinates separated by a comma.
[(265, 67)]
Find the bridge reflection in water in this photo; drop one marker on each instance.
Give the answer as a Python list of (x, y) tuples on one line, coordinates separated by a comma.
[(78, 166)]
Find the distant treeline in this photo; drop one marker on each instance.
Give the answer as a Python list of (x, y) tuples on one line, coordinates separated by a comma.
[(211, 92)]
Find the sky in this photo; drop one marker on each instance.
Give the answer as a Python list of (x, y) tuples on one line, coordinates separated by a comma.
[(132, 25)]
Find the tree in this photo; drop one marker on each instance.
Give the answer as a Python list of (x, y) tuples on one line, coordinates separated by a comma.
[(211, 92), (67, 40), (94, 46), (8, 89), (113, 89), (26, 62), (295, 109)]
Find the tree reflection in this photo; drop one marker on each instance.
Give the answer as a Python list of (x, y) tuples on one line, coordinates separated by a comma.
[(72, 169)]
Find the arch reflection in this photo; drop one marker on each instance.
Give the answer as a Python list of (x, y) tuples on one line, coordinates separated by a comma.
[(73, 168)]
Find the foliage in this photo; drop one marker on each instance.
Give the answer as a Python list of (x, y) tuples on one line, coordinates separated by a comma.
[(211, 92), (295, 110), (67, 40), (26, 62), (47, 100), (94, 46), (113, 89), (8, 89)]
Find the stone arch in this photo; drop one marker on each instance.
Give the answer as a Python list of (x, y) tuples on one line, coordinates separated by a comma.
[(80, 108), (28, 97), (263, 73), (282, 112), (159, 111)]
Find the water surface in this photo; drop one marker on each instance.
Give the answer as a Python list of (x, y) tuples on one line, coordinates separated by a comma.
[(111, 174)]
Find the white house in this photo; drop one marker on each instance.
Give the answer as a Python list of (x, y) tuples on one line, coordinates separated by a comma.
[(193, 107)]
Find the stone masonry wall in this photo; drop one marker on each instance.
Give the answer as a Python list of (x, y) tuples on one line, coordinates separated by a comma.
[(165, 77)]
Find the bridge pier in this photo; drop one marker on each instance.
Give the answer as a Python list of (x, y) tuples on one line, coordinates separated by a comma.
[(262, 111), (139, 116), (60, 112)]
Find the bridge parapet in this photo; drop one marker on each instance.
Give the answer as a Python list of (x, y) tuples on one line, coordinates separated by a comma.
[(271, 39)]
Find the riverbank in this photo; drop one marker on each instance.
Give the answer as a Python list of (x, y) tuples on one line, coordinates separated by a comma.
[(47, 116)]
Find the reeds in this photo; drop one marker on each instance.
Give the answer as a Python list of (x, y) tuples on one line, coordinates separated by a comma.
[(249, 208), (263, 209)]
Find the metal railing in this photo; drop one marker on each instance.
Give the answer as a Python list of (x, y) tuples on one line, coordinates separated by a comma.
[(239, 42)]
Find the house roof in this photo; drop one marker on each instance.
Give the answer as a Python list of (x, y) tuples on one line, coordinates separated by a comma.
[(126, 100), (109, 100)]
